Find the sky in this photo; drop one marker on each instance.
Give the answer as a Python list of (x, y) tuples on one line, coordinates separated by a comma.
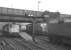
[(63, 6)]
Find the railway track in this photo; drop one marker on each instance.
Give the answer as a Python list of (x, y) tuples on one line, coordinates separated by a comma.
[(44, 42), (14, 43), (4, 45), (22, 44), (19, 44), (31, 45), (1, 47)]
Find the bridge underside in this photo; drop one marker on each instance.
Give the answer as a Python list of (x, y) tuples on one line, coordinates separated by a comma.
[(6, 20), (16, 18)]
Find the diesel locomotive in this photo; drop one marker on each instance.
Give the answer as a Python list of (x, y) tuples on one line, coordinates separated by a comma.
[(57, 33), (13, 29)]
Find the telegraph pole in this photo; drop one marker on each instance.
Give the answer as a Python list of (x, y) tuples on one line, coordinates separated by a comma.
[(38, 5)]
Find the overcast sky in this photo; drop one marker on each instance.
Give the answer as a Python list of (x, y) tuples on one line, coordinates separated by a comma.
[(63, 6)]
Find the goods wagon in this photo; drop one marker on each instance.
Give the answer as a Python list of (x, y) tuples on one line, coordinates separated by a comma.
[(59, 32)]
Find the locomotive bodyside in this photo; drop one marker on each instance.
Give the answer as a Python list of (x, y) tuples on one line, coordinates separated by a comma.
[(63, 29), (10, 29), (60, 32), (18, 28)]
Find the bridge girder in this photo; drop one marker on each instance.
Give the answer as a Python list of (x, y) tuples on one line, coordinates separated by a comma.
[(16, 18)]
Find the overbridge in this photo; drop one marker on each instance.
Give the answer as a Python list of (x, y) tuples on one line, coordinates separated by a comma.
[(14, 15)]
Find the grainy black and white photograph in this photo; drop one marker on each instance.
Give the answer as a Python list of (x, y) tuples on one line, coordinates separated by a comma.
[(35, 25)]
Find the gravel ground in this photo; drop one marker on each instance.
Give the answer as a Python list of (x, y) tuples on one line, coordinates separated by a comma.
[(22, 44), (43, 41)]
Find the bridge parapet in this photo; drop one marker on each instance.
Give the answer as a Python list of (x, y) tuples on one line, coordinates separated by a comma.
[(12, 11)]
